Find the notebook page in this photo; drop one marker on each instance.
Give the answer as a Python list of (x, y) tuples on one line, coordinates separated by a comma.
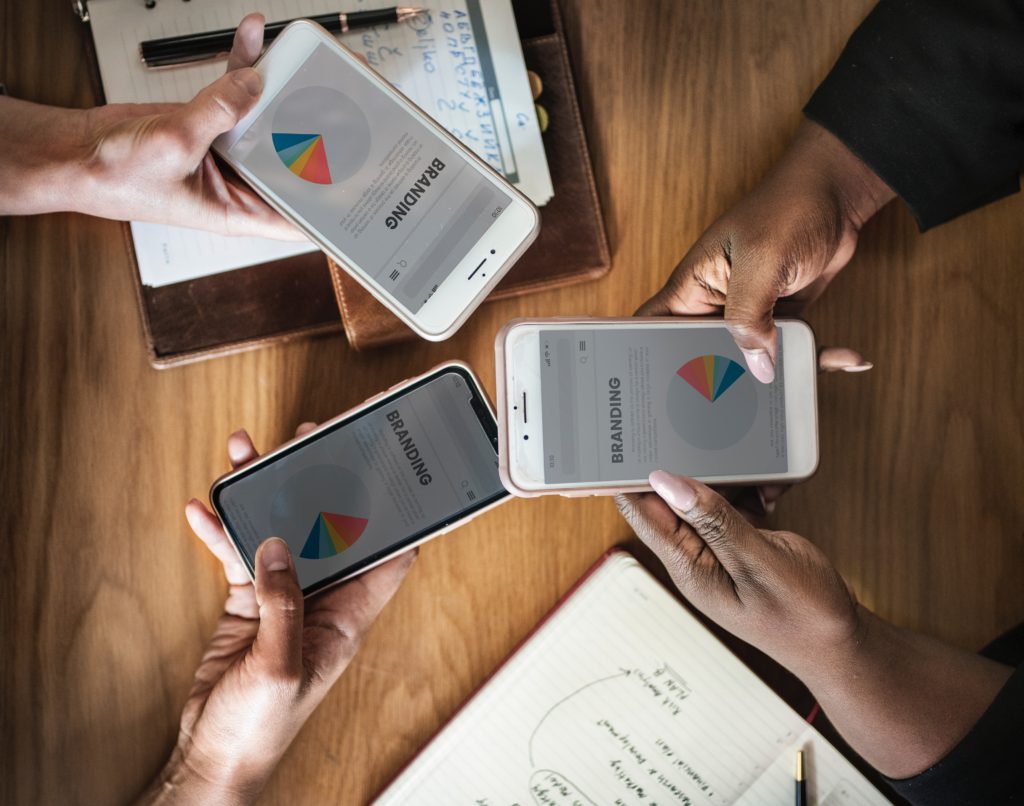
[(830, 782), (623, 697), (440, 69)]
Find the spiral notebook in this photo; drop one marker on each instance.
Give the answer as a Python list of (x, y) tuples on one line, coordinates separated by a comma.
[(621, 696)]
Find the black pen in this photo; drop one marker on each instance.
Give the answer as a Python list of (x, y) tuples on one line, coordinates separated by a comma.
[(174, 50), (801, 783)]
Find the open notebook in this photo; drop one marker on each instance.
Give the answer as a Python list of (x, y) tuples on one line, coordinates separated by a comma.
[(621, 696), (462, 63)]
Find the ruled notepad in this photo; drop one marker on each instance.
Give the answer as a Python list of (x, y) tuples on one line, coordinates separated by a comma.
[(462, 63), (622, 697)]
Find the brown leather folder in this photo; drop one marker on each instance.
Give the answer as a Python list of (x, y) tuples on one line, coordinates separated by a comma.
[(572, 246), (300, 296)]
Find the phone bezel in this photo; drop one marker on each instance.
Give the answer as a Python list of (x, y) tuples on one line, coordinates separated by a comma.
[(485, 416), (523, 460), (465, 288)]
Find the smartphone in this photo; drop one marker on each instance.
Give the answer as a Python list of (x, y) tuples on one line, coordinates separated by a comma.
[(409, 464), (593, 406), (418, 219)]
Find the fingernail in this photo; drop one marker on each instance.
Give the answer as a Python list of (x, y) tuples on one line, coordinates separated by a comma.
[(275, 555), (760, 364), (859, 367), (675, 490), (249, 79)]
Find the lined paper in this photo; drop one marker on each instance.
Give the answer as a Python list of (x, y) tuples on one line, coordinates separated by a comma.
[(623, 697), (471, 80)]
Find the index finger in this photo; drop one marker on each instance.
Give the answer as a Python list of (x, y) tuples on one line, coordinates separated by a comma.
[(696, 287), (208, 528)]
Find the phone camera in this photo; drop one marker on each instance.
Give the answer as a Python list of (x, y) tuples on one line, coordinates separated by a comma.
[(492, 251), (526, 436)]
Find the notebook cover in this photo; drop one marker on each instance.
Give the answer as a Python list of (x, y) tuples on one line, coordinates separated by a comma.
[(572, 246), (234, 311)]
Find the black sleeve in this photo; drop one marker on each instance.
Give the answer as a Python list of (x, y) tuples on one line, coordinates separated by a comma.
[(985, 768), (930, 94)]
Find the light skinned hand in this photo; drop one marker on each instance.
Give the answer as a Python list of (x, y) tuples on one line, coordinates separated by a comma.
[(788, 239), (272, 658), (774, 590), (141, 162)]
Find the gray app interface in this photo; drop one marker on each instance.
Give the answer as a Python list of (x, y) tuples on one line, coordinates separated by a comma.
[(399, 202), (619, 404), (403, 468)]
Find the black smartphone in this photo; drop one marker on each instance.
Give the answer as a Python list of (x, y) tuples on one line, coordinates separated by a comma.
[(405, 466)]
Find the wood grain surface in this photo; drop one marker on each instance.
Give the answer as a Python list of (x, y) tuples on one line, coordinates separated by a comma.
[(107, 599)]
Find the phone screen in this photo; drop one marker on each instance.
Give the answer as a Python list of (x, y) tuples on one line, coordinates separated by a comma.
[(623, 402), (371, 484), (392, 196)]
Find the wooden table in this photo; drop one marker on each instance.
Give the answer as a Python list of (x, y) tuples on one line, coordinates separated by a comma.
[(108, 599)]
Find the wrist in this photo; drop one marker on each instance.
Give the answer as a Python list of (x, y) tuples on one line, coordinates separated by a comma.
[(861, 192), (831, 657), (44, 170), (187, 778)]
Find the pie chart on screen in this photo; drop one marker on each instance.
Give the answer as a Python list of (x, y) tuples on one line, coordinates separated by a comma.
[(304, 155), (320, 135), (712, 402), (321, 511)]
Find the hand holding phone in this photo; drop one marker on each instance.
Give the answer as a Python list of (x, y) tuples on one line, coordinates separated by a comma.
[(780, 245), (271, 660), (405, 466), (419, 220)]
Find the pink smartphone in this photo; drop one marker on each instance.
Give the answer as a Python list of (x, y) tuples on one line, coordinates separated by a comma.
[(407, 465), (593, 406)]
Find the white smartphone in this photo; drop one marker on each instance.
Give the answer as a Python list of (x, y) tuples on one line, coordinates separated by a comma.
[(418, 219), (405, 466), (593, 406)]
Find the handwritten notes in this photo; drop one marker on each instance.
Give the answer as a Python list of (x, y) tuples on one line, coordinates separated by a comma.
[(461, 62), (622, 697)]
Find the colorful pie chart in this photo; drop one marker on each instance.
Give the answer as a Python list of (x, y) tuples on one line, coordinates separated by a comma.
[(711, 375), (321, 135), (304, 155), (712, 402), (332, 534), (321, 511)]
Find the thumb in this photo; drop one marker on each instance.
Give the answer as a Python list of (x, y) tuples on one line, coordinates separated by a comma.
[(248, 42), (731, 538), (216, 109), (278, 645), (750, 299)]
